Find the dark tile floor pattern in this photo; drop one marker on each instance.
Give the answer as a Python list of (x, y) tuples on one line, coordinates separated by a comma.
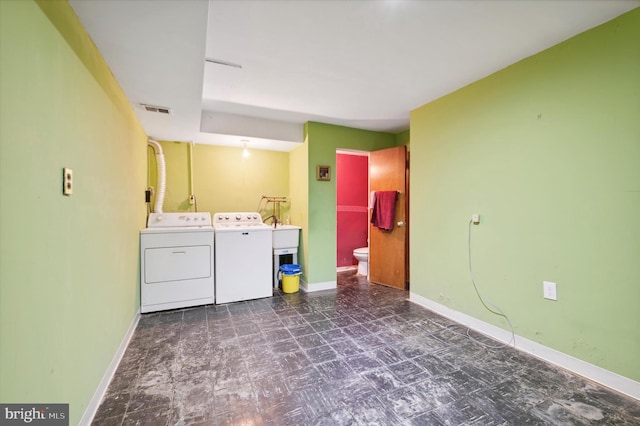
[(359, 355)]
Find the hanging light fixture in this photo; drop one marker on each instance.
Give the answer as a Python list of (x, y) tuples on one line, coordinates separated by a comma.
[(245, 151)]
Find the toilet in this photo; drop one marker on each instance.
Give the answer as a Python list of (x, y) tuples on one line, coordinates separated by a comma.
[(362, 254)]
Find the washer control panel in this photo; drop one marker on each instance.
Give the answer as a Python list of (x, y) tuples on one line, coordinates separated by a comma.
[(245, 218), (177, 220)]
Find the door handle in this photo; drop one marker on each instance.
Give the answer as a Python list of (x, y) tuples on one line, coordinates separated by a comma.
[(400, 224)]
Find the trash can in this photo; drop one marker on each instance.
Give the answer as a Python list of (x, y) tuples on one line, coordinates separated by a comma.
[(290, 278)]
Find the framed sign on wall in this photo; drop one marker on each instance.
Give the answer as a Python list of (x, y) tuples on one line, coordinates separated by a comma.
[(323, 172)]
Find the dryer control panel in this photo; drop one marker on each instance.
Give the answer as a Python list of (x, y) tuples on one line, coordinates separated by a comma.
[(179, 219)]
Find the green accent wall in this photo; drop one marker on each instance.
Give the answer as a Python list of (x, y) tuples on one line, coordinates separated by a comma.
[(69, 286), (547, 151), (223, 179), (404, 138), (322, 140)]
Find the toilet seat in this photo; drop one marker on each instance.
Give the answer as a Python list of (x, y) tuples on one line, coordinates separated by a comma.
[(361, 250)]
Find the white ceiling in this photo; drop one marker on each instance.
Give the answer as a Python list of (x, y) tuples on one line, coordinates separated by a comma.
[(362, 64)]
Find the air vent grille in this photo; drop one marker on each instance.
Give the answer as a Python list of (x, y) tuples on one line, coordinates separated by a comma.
[(156, 108)]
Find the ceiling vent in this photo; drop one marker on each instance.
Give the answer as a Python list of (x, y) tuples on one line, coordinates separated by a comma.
[(155, 108), (221, 62)]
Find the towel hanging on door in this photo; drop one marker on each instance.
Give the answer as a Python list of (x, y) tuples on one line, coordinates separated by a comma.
[(384, 210)]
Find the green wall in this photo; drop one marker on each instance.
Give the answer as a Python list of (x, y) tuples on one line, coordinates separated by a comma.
[(322, 141), (547, 151), (404, 138), (68, 265), (223, 180)]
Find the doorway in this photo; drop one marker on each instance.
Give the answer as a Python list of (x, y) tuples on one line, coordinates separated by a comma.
[(352, 218), (358, 175)]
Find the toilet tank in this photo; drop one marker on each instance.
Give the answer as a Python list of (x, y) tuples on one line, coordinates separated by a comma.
[(286, 236)]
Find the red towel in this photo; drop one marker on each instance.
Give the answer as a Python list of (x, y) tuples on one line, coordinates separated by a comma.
[(384, 210)]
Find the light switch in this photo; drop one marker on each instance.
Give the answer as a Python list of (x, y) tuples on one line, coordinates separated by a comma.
[(549, 290)]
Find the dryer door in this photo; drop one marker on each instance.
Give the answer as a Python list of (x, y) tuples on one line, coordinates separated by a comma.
[(164, 264)]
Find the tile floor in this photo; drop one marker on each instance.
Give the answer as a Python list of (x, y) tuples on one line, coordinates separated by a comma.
[(359, 355)]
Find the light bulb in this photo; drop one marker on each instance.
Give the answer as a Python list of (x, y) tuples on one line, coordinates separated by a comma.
[(245, 151)]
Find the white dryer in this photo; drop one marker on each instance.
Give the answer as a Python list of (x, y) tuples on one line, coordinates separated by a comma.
[(243, 257), (176, 261)]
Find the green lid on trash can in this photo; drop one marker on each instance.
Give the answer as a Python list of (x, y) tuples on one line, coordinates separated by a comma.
[(291, 269)]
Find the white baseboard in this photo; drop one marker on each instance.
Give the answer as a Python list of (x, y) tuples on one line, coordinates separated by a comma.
[(95, 401), (592, 372), (346, 268), (311, 287)]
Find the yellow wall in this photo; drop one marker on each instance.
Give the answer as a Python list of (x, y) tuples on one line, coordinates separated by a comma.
[(223, 179), (299, 189)]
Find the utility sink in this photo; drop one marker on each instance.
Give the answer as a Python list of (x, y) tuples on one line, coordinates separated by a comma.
[(286, 236)]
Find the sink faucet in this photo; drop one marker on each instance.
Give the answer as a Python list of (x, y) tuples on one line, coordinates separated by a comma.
[(274, 220)]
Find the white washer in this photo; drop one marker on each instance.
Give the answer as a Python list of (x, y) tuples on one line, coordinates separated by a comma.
[(176, 261), (243, 257)]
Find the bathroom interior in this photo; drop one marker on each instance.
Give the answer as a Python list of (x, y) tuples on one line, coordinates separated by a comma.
[(352, 211)]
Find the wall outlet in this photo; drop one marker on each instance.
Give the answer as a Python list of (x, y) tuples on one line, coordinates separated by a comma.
[(67, 181), (475, 218), (192, 199), (549, 290)]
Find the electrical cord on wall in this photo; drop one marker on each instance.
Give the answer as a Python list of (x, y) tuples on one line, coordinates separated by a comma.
[(487, 304)]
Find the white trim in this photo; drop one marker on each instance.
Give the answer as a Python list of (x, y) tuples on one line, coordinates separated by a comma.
[(95, 401), (310, 288), (593, 372), (345, 151), (346, 268)]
